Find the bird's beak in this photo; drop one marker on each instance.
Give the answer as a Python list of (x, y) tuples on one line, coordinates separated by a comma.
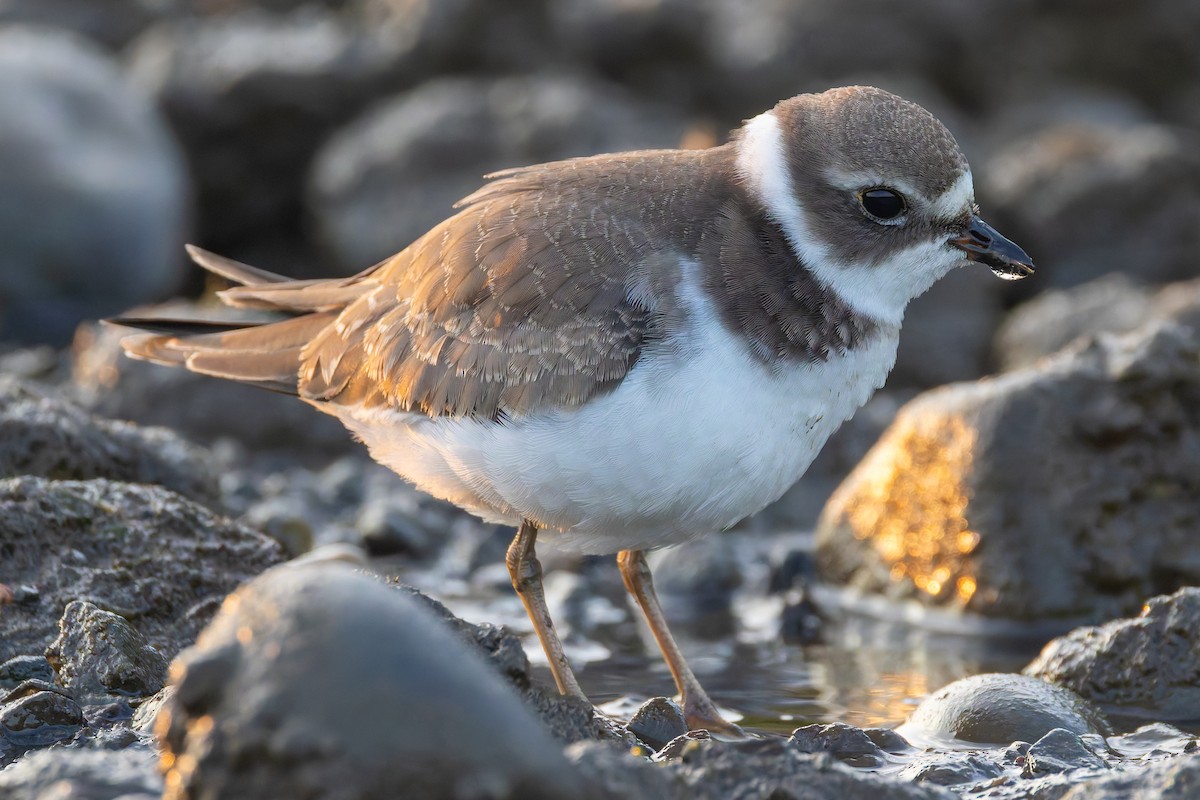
[(983, 243)]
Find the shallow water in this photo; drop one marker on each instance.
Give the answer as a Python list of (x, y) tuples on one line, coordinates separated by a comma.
[(776, 687), (875, 661)]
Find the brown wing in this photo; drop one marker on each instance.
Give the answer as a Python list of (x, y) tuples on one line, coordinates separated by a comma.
[(520, 302), (540, 293)]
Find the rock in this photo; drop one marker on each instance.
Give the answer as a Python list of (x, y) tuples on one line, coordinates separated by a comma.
[(698, 579), (46, 436), (316, 680), (1111, 304), (112, 23), (844, 742), (1149, 664), (658, 721), (964, 308), (392, 174), (36, 714), (1060, 751), (950, 769), (801, 621), (1060, 491), (19, 669), (75, 138), (78, 774), (388, 527), (98, 654), (202, 408), (251, 95), (1174, 779), (1155, 741), (1095, 199), (279, 519), (998, 709), (653, 45), (613, 773), (713, 770), (568, 719), (757, 53), (159, 560)]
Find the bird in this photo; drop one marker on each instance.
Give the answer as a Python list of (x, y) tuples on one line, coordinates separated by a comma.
[(621, 352)]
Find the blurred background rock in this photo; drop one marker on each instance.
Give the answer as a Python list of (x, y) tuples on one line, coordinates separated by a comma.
[(316, 137)]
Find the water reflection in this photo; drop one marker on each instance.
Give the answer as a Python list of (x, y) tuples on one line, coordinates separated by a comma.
[(868, 673)]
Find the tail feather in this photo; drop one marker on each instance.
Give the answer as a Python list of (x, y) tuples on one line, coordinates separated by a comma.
[(294, 296), (232, 270), (265, 353), (274, 369)]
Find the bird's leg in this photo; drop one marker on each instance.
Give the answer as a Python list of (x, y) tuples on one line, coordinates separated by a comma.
[(698, 709), (526, 573)]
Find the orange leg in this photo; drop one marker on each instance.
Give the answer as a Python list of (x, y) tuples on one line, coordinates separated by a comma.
[(526, 573), (698, 709)]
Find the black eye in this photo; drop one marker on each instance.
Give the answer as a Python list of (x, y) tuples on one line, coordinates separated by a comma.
[(882, 203)]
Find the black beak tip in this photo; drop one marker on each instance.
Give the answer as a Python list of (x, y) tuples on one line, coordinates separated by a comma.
[(984, 244)]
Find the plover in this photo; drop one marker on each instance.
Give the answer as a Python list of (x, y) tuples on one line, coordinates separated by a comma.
[(625, 351)]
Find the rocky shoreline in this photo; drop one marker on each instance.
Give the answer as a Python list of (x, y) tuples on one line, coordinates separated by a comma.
[(323, 675), (209, 591)]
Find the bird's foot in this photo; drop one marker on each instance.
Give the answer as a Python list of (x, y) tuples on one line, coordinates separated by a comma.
[(701, 714)]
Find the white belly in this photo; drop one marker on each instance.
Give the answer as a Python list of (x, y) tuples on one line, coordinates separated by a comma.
[(693, 439)]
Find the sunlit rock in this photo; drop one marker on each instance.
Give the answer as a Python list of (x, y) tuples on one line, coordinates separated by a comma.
[(1065, 490)]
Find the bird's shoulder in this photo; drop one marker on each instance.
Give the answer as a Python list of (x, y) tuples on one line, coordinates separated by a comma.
[(537, 294)]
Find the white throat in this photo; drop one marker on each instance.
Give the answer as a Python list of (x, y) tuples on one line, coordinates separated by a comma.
[(880, 291)]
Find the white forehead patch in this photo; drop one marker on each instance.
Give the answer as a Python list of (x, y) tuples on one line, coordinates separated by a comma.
[(955, 200)]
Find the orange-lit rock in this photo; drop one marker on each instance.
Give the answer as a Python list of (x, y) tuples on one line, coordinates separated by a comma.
[(1064, 490)]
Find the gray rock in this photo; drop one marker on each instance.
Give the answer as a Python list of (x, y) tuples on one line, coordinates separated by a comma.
[(758, 52), (36, 714), (610, 772), (280, 519), (112, 23), (657, 721), (948, 331), (1095, 199), (950, 769), (1174, 779), (844, 742), (773, 768), (392, 174), (46, 436), (78, 774), (250, 95), (76, 139), (389, 527), (1061, 491), (1149, 664), (1111, 304), (653, 45), (98, 653), (316, 680), (698, 578), (202, 408), (19, 669), (998, 709), (568, 719), (157, 559), (1060, 751)]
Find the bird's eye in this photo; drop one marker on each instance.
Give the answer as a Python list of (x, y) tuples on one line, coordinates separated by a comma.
[(882, 203)]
